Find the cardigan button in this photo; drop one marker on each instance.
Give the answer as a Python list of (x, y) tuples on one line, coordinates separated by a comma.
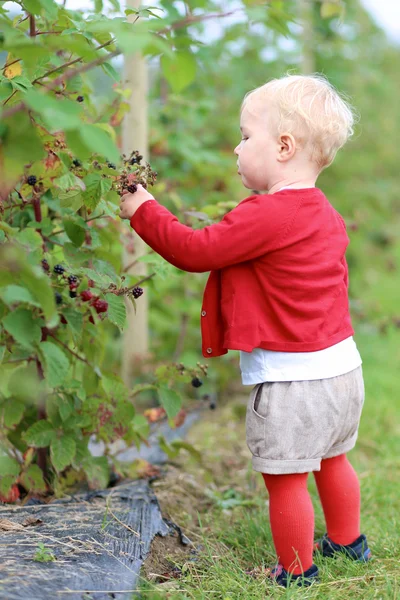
[(209, 350), (203, 313)]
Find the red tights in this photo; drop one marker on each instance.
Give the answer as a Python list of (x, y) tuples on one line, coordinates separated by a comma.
[(292, 515)]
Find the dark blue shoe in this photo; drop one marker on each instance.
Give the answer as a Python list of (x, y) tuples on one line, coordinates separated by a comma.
[(358, 550), (280, 576)]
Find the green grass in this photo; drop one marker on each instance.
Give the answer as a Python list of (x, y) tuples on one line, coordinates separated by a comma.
[(240, 538)]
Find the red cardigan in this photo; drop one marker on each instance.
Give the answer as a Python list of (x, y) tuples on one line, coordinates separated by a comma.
[(279, 277)]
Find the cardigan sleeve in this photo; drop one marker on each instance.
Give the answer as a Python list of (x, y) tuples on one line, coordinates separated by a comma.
[(256, 226)]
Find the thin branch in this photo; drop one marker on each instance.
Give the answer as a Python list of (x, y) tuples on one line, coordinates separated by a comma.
[(72, 62), (32, 25), (102, 216), (9, 97), (12, 63), (69, 350), (94, 63)]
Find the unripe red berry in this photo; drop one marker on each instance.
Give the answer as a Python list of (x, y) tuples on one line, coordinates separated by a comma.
[(86, 295), (100, 305)]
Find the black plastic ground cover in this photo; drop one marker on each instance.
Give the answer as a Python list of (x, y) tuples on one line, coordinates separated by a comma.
[(99, 540)]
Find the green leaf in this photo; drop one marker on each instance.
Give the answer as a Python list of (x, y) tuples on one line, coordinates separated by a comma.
[(13, 261), (170, 400), (56, 363), (33, 480), (22, 326), (116, 310), (6, 482), (9, 466), (99, 141), (72, 199), (92, 194), (40, 434), (75, 232), (75, 321), (180, 70), (62, 452), (15, 293), (13, 412), (21, 83), (109, 69), (97, 471), (65, 406), (58, 114), (21, 146)]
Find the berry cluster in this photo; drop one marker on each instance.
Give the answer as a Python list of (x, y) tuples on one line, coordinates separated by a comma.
[(129, 180), (31, 180)]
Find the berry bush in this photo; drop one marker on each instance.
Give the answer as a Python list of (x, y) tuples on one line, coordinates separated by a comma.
[(63, 289)]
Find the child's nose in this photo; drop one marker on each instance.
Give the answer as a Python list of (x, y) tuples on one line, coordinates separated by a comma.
[(236, 150)]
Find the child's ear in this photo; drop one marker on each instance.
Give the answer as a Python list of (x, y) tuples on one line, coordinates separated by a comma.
[(286, 147)]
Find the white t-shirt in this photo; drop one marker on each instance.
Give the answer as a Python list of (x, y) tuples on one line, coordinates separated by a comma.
[(268, 365)]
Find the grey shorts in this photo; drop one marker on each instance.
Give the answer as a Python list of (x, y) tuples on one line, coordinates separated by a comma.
[(292, 425)]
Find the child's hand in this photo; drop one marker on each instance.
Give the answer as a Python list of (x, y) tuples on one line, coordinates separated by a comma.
[(131, 202)]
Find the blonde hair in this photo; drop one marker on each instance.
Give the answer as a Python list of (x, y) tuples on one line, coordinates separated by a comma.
[(312, 110)]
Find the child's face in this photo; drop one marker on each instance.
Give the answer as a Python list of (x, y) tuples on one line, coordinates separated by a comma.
[(257, 152)]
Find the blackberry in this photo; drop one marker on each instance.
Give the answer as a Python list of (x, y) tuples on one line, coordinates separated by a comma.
[(137, 292), (213, 405), (72, 294), (76, 162), (45, 265), (72, 279), (80, 99), (59, 269), (111, 165), (58, 298), (196, 382), (132, 188), (133, 161), (31, 180)]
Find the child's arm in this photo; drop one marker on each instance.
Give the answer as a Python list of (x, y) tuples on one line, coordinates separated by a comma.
[(258, 225)]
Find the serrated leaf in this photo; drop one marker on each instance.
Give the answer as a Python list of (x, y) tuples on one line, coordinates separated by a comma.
[(62, 452), (40, 434), (72, 199), (56, 363), (65, 406), (92, 194), (74, 321), (180, 70), (116, 310), (170, 400), (9, 466), (33, 480), (13, 412), (22, 326), (74, 231)]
